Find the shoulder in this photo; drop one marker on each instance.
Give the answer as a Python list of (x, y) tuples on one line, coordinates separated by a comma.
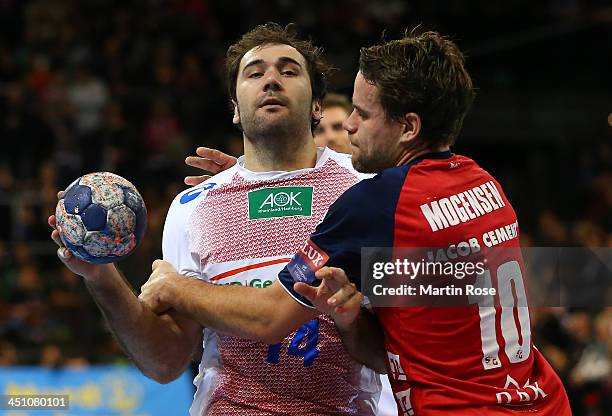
[(187, 200), (379, 190), (368, 206), (344, 160)]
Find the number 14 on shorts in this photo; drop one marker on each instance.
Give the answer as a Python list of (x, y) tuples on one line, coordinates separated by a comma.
[(303, 344)]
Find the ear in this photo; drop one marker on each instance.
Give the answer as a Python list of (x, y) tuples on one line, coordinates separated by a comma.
[(317, 110), (236, 118), (411, 127)]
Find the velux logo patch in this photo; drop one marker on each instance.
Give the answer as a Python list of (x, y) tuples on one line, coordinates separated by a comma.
[(283, 201), (306, 262)]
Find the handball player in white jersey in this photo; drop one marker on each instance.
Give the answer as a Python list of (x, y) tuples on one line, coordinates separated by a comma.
[(241, 227)]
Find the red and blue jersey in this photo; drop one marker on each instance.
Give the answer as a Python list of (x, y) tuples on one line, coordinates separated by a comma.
[(473, 360)]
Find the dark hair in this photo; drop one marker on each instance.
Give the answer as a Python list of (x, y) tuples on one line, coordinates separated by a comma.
[(337, 100), (274, 34), (424, 74)]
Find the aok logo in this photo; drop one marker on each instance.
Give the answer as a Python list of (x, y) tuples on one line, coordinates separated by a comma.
[(280, 202), (281, 199)]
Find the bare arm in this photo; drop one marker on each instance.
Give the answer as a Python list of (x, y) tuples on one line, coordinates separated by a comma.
[(270, 314), (161, 346), (266, 315), (364, 340)]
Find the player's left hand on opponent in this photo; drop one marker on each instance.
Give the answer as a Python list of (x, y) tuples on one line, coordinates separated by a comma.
[(210, 160), (335, 296), (157, 292)]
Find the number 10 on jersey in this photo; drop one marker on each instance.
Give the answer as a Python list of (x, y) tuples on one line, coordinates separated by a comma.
[(517, 349)]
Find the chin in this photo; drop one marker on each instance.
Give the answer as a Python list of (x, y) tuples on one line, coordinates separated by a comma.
[(357, 164), (363, 165)]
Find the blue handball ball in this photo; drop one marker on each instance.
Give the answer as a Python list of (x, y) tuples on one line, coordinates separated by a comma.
[(101, 217)]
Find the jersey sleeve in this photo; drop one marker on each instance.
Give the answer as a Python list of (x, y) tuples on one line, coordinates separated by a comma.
[(329, 246), (361, 217), (176, 241)]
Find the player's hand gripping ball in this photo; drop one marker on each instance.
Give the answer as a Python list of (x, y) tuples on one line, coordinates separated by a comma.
[(101, 217)]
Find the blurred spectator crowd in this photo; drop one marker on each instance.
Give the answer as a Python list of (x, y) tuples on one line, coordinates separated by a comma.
[(133, 87)]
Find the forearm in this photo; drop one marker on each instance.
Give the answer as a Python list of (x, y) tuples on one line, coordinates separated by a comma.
[(266, 315), (156, 344), (364, 340)]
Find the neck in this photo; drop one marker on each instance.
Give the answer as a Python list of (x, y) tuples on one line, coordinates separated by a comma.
[(412, 153), (285, 156)]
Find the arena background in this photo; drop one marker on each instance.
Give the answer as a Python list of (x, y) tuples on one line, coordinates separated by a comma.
[(133, 87)]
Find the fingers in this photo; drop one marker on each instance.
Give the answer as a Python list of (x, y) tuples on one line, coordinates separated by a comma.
[(337, 280), (52, 221), (333, 277), (210, 153), (162, 267), (147, 298), (143, 290), (343, 295), (62, 252), (309, 292), (64, 255), (157, 307), (204, 164), (149, 295), (216, 156), (60, 194), (353, 303), (210, 160), (332, 273), (56, 238), (148, 283), (196, 180), (156, 264)]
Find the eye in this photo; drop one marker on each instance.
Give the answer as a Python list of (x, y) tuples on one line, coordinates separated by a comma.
[(289, 72), (256, 75), (362, 114)]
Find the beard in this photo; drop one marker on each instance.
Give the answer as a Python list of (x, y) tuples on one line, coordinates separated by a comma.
[(371, 162), (281, 126)]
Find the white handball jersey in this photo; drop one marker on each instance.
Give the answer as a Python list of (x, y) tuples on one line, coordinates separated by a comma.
[(241, 228)]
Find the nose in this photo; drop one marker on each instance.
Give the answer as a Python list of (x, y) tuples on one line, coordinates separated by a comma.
[(350, 124), (273, 82)]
